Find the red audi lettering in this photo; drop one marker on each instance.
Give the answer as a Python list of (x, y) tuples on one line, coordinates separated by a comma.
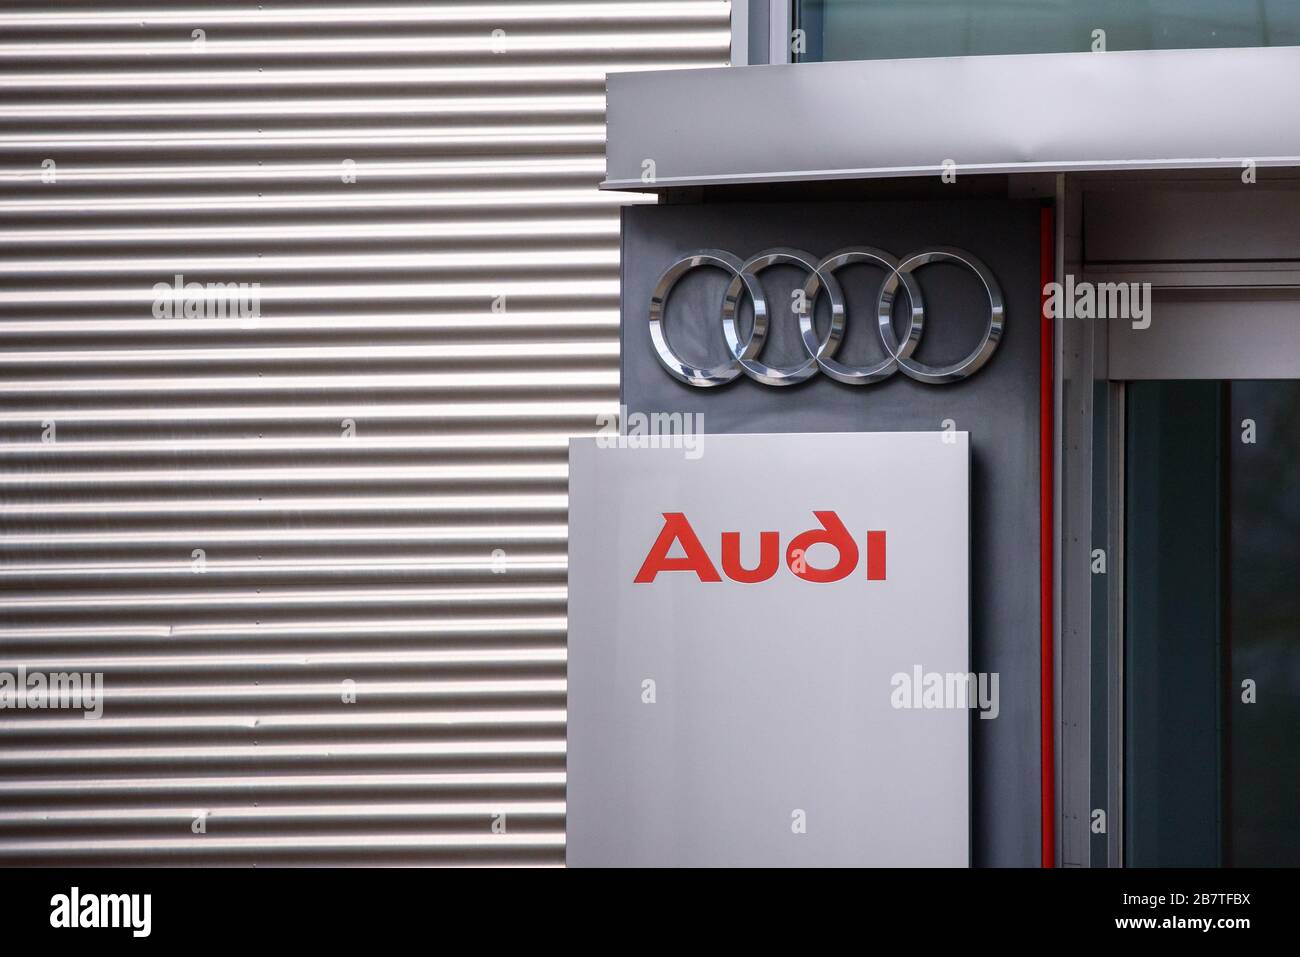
[(769, 557), (677, 529), (832, 533), (876, 556)]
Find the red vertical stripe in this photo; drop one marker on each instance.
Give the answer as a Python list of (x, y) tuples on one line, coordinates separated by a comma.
[(876, 556), (1047, 532)]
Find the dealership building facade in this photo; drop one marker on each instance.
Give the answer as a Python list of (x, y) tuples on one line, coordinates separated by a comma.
[(317, 546), (1097, 209)]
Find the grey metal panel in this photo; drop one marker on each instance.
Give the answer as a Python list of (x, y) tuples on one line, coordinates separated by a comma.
[(998, 406), (777, 695), (987, 114), (1191, 338), (779, 19), (1076, 364), (373, 558), (1193, 223)]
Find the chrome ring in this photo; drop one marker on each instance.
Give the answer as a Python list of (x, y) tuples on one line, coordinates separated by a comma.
[(760, 371), (678, 368), (821, 353), (862, 375), (982, 353)]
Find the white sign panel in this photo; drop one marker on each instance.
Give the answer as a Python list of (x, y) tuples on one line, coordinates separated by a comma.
[(769, 654)]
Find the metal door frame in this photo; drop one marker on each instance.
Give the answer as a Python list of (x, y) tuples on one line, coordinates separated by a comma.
[(1181, 345)]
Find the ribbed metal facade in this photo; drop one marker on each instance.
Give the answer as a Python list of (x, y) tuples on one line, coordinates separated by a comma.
[(353, 488)]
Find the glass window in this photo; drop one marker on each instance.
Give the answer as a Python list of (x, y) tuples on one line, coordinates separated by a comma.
[(890, 29), (1212, 630)]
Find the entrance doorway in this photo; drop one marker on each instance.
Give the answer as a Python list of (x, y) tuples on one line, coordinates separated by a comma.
[(1212, 623), (1178, 509)]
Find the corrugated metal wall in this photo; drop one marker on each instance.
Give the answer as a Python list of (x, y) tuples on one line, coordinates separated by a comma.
[(235, 519)]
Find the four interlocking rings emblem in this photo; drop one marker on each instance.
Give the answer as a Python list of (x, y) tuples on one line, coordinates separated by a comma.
[(821, 351)]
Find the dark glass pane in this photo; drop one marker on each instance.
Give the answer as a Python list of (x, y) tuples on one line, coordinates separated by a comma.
[(1173, 615), (887, 29), (1212, 630), (1263, 758), (1099, 690)]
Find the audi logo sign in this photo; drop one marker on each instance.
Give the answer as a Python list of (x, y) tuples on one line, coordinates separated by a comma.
[(677, 532), (746, 351), (735, 645)]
